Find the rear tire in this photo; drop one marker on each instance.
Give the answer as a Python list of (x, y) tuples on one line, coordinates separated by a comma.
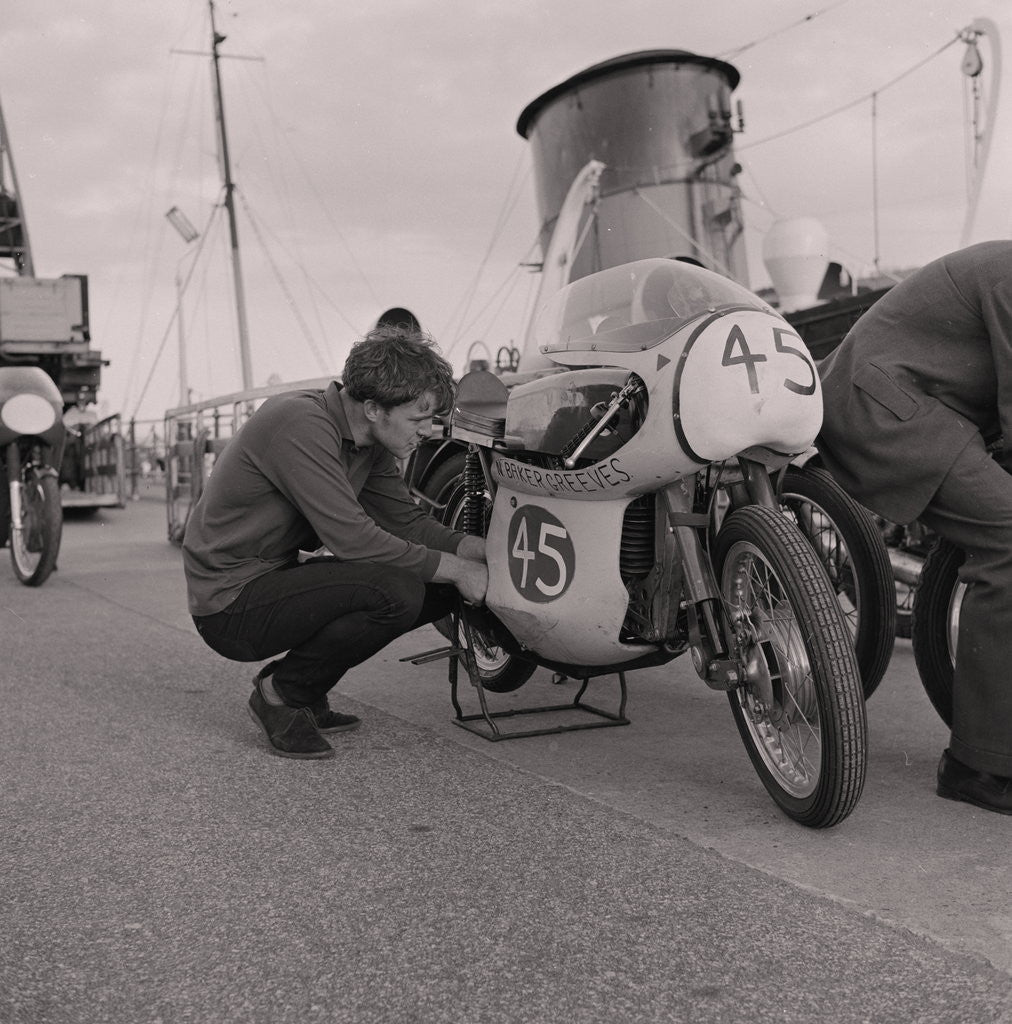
[(935, 624), (800, 711), (499, 671), (445, 478), (849, 544), (34, 547)]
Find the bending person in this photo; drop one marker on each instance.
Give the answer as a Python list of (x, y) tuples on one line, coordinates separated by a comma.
[(910, 396), (312, 468)]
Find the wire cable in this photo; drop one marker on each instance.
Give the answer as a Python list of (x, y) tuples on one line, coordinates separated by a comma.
[(510, 200), (508, 283), (731, 54), (851, 103), (310, 340), (175, 313)]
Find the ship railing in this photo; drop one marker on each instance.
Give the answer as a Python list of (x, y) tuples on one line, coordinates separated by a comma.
[(93, 470), (196, 434)]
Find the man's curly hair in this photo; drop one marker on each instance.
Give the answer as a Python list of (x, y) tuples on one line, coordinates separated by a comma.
[(394, 364)]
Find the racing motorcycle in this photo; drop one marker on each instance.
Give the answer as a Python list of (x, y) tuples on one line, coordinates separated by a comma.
[(32, 436), (630, 509)]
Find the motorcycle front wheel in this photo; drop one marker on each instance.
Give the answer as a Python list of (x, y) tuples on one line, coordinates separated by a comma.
[(934, 624), (849, 544), (35, 546), (800, 707)]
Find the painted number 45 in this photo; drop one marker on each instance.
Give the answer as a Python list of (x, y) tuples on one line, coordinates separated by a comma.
[(738, 353), (541, 555)]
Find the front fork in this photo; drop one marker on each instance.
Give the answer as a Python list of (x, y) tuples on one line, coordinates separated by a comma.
[(12, 458), (716, 665), (15, 478)]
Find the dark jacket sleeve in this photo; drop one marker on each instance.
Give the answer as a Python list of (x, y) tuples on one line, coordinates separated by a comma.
[(307, 468), (996, 309), (386, 498)]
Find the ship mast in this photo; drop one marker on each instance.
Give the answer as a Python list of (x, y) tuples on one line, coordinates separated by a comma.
[(226, 172), (13, 229)]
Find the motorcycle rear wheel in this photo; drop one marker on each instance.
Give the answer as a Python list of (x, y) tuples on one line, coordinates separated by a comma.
[(499, 671), (850, 546), (807, 739), (34, 547), (934, 624)]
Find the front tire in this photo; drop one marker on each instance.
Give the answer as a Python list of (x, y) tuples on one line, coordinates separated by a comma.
[(849, 544), (35, 546), (935, 624), (800, 710)]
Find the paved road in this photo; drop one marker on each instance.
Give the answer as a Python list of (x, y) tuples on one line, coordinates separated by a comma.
[(159, 865)]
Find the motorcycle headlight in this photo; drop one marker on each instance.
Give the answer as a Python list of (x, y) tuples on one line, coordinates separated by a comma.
[(27, 414)]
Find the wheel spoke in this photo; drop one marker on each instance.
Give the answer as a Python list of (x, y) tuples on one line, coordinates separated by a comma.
[(788, 732)]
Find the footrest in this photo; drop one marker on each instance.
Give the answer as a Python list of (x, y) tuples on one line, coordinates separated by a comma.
[(434, 655)]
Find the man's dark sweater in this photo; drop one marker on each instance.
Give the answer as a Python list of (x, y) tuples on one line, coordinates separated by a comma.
[(294, 478)]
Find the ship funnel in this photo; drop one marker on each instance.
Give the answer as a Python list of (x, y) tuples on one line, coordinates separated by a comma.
[(662, 124), (795, 252)]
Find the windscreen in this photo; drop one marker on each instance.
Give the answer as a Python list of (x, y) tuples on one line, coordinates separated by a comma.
[(635, 306)]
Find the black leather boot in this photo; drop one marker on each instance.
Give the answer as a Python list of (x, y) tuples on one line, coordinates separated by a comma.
[(957, 781)]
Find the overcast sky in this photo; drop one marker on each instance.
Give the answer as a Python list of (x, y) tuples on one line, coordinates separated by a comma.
[(375, 153)]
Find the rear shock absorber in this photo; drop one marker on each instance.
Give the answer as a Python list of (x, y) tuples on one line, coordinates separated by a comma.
[(472, 518)]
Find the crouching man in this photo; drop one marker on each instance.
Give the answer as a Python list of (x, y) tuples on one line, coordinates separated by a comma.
[(318, 468)]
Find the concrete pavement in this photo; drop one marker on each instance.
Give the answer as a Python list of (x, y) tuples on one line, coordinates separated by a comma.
[(160, 865)]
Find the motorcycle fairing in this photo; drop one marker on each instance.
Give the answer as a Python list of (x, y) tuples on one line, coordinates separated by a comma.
[(545, 414), (35, 403), (735, 381), (766, 382), (721, 366), (575, 620)]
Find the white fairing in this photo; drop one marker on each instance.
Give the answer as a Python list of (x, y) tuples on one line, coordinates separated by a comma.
[(554, 577), (715, 373), (747, 379)]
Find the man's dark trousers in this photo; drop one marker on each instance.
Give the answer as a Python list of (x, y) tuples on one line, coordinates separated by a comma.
[(973, 510), (328, 615)]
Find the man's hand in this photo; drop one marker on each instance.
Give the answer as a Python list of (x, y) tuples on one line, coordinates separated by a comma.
[(472, 547), (468, 575), (473, 583)]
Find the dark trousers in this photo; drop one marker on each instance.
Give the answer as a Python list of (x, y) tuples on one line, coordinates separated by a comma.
[(327, 615), (973, 510)]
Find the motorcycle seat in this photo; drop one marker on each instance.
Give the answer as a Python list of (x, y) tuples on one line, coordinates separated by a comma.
[(479, 409)]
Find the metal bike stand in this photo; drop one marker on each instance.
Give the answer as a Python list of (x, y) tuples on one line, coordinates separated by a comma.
[(484, 723)]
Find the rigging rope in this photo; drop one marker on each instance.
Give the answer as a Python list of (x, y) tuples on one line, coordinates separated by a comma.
[(510, 279), (510, 200), (731, 54), (851, 103), (143, 216), (693, 242), (331, 220), (310, 340), (176, 312)]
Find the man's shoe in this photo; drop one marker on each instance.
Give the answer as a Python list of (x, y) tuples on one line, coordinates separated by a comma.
[(957, 781), (333, 721), (291, 732)]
